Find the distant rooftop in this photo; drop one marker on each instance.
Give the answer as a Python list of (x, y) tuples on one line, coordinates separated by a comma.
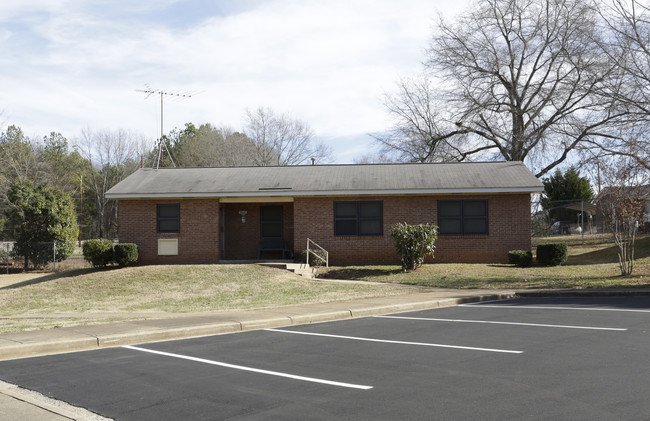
[(329, 180)]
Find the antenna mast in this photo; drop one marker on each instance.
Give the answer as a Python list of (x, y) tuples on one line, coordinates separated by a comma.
[(161, 143)]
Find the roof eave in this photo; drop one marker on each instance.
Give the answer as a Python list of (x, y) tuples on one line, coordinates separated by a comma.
[(284, 193)]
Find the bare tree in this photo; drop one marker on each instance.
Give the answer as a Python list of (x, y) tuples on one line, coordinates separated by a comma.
[(628, 47), (111, 156), (622, 205), (281, 140), (519, 80), (421, 130)]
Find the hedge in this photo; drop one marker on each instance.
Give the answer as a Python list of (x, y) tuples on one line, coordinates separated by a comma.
[(99, 252), (125, 254), (552, 254), (522, 258)]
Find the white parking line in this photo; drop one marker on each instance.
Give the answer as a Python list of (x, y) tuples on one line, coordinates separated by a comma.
[(502, 323), (471, 348), (254, 370), (555, 308)]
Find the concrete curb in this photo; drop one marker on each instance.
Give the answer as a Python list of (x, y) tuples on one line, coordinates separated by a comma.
[(83, 338), (585, 293)]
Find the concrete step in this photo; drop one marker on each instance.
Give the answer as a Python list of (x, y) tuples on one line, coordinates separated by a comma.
[(296, 266), (301, 269)]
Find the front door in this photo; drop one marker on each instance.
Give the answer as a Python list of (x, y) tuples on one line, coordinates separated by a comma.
[(271, 222)]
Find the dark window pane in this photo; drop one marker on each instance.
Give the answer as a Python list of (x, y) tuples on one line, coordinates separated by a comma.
[(370, 227), (475, 208), (343, 227), (271, 213), (450, 226), (370, 209), (346, 210), (476, 226), (449, 208), (169, 211), (271, 229), (168, 225)]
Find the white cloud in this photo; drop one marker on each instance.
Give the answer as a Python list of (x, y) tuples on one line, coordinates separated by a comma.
[(78, 66)]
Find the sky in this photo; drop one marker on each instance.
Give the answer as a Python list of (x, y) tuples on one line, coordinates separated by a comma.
[(72, 65)]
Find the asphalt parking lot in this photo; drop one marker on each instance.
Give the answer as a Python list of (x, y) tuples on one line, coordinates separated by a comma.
[(567, 358)]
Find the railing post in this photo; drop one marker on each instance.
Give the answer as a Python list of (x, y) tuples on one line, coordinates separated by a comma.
[(54, 256), (307, 258)]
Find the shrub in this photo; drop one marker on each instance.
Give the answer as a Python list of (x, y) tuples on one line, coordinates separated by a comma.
[(313, 261), (552, 254), (522, 258), (98, 252), (125, 254), (42, 216), (414, 242)]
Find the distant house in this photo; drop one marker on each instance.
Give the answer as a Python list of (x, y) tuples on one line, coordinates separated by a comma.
[(184, 215)]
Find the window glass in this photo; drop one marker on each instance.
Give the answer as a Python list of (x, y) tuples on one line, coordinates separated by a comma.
[(370, 209), (449, 208), (475, 226), (168, 217), (168, 210), (370, 227), (463, 217), (475, 208), (450, 226), (346, 209), (168, 225), (358, 218), (343, 227)]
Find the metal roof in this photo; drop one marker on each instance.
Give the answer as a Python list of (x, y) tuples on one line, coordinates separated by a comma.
[(328, 180)]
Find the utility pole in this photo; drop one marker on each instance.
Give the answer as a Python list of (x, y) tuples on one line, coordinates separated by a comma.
[(81, 202), (161, 143)]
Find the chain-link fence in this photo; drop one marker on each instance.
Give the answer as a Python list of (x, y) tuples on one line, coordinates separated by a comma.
[(566, 218), (38, 255)]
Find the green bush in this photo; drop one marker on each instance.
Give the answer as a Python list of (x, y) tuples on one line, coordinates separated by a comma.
[(552, 254), (98, 252), (42, 216), (125, 254), (313, 261), (522, 258), (414, 243)]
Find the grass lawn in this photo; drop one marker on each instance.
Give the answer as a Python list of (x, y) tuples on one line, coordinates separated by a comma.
[(591, 265), (83, 296)]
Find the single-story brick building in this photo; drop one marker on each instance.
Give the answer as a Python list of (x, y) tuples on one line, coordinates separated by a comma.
[(182, 215)]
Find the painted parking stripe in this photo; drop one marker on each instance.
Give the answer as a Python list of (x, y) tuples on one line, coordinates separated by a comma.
[(502, 323), (556, 308), (470, 348), (254, 370)]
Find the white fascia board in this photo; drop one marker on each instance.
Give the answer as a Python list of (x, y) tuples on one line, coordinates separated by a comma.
[(284, 194)]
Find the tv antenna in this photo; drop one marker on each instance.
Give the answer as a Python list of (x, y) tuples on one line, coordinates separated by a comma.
[(163, 94)]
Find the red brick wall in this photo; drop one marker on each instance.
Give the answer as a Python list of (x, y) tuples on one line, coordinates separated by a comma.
[(241, 239), (509, 229), (198, 239)]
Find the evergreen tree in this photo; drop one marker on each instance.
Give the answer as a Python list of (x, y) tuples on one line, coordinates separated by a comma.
[(561, 190), (41, 216)]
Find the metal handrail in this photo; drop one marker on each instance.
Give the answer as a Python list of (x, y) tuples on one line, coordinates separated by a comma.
[(326, 259)]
